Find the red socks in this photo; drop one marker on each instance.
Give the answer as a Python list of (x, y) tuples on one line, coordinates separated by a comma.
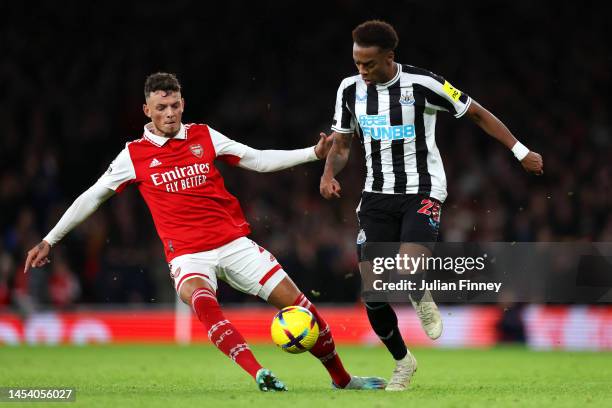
[(221, 332), (325, 349)]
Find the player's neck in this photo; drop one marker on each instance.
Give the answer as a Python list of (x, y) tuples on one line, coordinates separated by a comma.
[(153, 129), (391, 73)]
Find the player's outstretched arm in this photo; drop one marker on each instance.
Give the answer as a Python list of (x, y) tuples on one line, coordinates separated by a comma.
[(531, 161), (336, 160), (264, 161), (81, 208)]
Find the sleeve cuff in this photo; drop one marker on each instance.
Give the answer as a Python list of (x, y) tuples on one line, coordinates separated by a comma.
[(312, 155), (340, 130), (49, 240), (465, 109)]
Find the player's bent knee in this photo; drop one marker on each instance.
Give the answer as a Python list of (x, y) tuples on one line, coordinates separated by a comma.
[(284, 294), (187, 288)]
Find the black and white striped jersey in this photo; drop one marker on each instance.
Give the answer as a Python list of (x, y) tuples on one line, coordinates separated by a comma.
[(396, 122)]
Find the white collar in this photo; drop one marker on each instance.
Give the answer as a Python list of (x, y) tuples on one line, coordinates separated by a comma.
[(392, 81), (161, 140)]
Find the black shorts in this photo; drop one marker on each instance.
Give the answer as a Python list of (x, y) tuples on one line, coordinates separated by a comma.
[(397, 218)]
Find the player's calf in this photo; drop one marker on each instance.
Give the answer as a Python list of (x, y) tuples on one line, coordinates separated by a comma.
[(221, 331), (325, 348), (286, 294), (384, 323)]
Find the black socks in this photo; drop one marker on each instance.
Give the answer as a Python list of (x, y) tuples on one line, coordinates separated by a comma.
[(384, 322)]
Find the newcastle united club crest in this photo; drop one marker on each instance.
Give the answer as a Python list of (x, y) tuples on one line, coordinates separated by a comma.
[(406, 98)]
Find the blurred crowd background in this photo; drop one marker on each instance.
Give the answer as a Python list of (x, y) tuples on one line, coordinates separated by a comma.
[(71, 80)]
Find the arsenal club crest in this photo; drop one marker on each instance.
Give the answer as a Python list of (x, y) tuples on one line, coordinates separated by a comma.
[(197, 150)]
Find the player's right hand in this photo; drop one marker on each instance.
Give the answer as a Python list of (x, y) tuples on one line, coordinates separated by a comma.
[(37, 256), (533, 163), (330, 188)]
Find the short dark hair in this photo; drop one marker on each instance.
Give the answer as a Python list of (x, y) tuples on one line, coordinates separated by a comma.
[(161, 81), (376, 33)]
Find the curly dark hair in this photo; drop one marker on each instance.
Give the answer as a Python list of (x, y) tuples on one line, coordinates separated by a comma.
[(376, 33), (161, 81)]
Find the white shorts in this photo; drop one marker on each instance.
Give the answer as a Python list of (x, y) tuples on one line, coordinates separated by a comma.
[(242, 263)]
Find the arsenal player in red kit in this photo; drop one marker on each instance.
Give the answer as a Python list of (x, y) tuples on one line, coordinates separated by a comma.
[(202, 226)]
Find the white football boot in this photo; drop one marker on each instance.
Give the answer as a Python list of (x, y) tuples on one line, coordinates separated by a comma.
[(429, 315), (404, 370)]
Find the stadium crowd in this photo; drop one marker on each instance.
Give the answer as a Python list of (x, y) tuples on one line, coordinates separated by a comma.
[(71, 95)]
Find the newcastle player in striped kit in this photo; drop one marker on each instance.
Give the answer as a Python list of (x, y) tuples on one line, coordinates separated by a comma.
[(392, 108), (201, 225)]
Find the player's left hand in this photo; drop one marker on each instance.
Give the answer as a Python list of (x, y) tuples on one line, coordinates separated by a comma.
[(37, 256), (324, 145), (533, 163)]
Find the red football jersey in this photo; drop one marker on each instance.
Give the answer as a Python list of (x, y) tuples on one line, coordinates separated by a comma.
[(183, 189)]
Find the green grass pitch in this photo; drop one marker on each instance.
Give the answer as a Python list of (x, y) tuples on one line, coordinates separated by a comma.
[(200, 376)]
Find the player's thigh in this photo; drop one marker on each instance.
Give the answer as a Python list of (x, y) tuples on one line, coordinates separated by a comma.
[(421, 221), (250, 268), (198, 267), (379, 222)]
